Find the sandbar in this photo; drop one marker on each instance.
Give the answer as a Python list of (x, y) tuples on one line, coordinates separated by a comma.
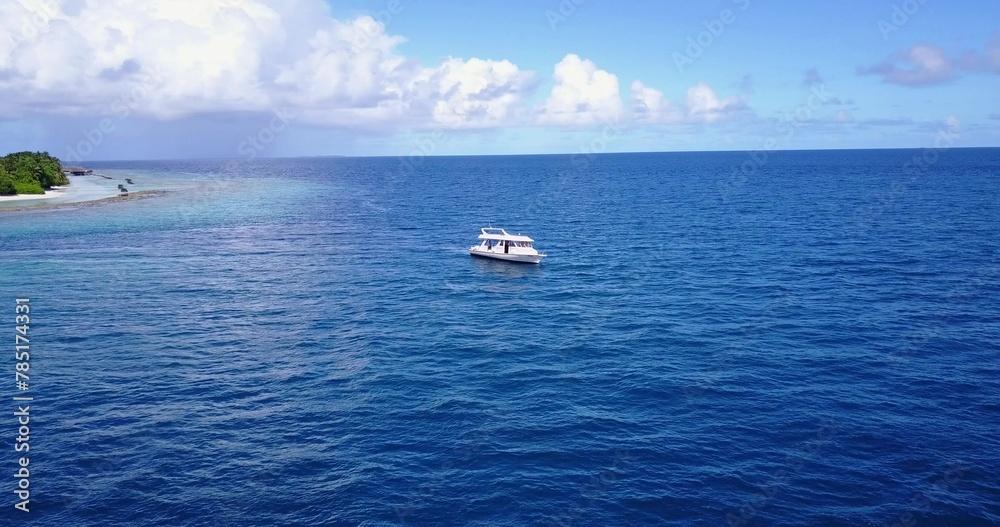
[(141, 194)]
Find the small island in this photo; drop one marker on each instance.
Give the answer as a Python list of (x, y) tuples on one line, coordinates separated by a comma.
[(30, 173), (28, 176)]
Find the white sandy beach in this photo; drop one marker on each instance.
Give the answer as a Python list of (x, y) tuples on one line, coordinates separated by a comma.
[(81, 188), (56, 192)]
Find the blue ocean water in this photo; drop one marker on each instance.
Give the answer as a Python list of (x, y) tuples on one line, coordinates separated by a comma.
[(806, 339)]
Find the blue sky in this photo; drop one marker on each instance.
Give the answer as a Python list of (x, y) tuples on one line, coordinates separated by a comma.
[(268, 78)]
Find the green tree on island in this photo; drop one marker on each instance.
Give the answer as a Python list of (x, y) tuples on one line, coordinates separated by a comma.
[(30, 173)]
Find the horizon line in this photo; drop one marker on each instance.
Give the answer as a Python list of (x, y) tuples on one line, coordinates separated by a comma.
[(404, 156)]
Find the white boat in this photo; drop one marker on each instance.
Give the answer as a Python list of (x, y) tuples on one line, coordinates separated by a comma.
[(497, 243)]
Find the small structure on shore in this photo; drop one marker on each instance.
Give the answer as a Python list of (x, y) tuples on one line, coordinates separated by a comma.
[(76, 171)]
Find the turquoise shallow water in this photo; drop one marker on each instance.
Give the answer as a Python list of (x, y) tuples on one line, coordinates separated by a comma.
[(104, 182), (306, 341)]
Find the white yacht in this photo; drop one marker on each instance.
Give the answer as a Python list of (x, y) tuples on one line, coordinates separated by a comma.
[(502, 246)]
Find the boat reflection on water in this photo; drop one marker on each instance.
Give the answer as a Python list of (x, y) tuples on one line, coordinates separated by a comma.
[(505, 269)]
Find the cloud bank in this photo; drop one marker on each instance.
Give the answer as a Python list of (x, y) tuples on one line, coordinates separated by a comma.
[(924, 65), (187, 57), (701, 106), (170, 59)]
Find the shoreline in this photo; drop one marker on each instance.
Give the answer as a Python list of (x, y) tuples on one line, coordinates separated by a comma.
[(141, 194), (53, 192)]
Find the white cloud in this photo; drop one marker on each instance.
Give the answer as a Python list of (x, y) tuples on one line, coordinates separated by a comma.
[(993, 54), (479, 92), (920, 65), (172, 58), (704, 105), (168, 59), (582, 95), (701, 106), (206, 55), (648, 104), (925, 65)]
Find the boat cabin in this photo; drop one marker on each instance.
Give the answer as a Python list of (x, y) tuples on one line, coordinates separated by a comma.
[(505, 246)]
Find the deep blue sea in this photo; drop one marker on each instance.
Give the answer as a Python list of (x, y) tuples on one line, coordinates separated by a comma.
[(807, 339)]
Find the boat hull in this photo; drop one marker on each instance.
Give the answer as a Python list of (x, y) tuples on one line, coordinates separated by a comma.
[(516, 258)]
